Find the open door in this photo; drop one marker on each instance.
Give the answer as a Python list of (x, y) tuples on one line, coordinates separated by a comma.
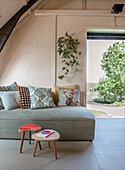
[(105, 73)]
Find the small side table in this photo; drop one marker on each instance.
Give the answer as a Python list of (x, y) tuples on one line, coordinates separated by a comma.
[(52, 138), (28, 128)]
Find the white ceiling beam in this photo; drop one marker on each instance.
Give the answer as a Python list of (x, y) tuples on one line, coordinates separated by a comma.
[(77, 12)]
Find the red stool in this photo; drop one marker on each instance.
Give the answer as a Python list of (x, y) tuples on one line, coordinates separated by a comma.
[(28, 128)]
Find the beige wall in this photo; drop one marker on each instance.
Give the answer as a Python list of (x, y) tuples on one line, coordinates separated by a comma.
[(29, 55)]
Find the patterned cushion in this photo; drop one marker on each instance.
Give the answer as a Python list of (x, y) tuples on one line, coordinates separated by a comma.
[(24, 95), (69, 97), (41, 97), (66, 87), (12, 87), (10, 99)]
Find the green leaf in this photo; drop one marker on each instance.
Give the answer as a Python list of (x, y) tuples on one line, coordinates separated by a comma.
[(59, 51), (72, 56), (63, 68), (66, 34), (67, 42), (74, 61), (76, 70), (65, 50), (60, 42), (61, 77), (80, 52), (69, 47), (77, 63), (75, 51), (66, 56), (67, 64), (70, 36), (60, 39), (63, 61)]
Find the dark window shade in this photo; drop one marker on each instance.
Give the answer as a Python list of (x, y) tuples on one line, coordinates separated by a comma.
[(105, 36)]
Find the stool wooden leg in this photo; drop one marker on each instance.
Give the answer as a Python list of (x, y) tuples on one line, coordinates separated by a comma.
[(35, 148), (29, 137), (40, 146), (23, 134), (54, 146), (49, 145)]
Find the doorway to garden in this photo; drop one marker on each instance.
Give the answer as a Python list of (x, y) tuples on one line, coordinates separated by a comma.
[(105, 96)]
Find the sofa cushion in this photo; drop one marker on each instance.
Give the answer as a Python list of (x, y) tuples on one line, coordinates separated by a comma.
[(66, 87), (24, 96), (12, 87), (58, 113), (10, 99), (68, 97), (41, 97)]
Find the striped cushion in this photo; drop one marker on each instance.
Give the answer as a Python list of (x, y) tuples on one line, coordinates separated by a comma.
[(24, 95)]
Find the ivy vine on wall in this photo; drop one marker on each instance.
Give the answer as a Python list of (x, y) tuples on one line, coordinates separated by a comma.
[(68, 50)]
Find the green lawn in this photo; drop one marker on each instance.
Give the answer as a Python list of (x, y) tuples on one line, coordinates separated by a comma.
[(99, 114)]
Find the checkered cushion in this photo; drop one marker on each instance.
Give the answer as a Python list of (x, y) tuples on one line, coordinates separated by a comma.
[(24, 95)]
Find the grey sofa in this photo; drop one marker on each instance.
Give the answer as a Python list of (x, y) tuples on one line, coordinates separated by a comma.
[(73, 123)]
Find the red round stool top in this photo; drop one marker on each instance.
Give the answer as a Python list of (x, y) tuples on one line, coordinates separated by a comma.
[(29, 127)]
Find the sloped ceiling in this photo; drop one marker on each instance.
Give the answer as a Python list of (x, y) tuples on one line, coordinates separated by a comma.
[(9, 7), (103, 4)]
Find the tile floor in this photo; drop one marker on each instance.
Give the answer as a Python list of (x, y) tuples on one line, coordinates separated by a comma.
[(107, 152)]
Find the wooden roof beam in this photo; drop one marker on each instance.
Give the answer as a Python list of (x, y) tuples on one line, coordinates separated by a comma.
[(7, 28)]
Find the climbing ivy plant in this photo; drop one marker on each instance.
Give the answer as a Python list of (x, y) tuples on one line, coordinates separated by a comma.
[(68, 50)]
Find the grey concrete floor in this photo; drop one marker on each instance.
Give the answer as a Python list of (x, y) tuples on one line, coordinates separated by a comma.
[(107, 152)]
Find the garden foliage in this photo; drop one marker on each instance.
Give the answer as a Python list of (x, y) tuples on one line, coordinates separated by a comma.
[(112, 86)]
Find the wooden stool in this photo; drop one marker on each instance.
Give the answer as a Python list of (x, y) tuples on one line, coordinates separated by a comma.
[(52, 138), (28, 128)]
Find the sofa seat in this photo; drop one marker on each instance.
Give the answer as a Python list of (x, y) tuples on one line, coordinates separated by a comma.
[(73, 123)]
